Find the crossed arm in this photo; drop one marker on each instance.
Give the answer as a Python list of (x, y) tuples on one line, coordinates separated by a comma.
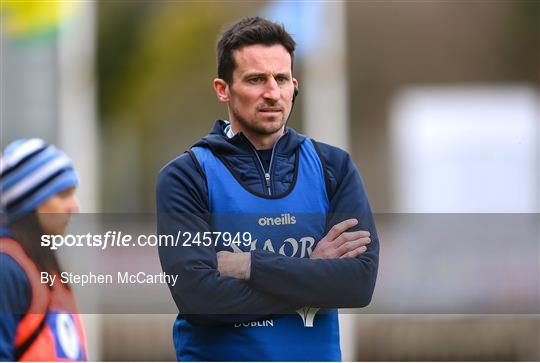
[(338, 243), (341, 271)]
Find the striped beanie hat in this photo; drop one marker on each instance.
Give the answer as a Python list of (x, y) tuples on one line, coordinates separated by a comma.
[(31, 171)]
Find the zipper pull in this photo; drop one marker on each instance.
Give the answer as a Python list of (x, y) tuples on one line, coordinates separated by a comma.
[(267, 178)]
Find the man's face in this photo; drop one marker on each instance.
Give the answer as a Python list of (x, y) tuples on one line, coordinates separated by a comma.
[(260, 96)]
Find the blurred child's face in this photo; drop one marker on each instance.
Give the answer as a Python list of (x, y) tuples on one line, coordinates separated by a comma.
[(54, 213)]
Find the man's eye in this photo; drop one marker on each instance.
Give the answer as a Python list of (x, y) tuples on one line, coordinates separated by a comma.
[(282, 79), (256, 80)]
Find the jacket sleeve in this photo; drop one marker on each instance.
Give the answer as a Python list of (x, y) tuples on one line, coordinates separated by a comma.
[(331, 283), (14, 301), (201, 294)]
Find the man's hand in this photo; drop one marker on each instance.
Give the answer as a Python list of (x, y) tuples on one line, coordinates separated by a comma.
[(336, 244), (341, 244), (237, 265)]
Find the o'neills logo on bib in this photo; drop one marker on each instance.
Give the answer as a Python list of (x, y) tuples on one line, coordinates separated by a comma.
[(285, 218)]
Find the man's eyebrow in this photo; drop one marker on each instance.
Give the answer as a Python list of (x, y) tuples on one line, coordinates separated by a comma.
[(286, 75), (261, 74), (254, 74)]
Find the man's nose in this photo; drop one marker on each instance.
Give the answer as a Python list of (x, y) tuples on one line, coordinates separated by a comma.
[(272, 90)]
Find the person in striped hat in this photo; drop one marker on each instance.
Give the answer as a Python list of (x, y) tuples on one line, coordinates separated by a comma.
[(38, 322)]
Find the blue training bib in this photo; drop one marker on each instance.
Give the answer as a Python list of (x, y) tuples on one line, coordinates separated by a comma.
[(290, 225)]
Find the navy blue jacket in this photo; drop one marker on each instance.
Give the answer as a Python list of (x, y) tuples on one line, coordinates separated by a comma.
[(278, 284)]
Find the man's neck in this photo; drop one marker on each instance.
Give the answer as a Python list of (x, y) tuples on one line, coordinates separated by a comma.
[(260, 142)]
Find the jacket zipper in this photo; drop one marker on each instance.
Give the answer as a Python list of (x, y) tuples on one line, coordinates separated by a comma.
[(267, 178), (267, 175)]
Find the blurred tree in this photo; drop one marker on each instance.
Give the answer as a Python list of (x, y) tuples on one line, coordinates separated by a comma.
[(156, 63)]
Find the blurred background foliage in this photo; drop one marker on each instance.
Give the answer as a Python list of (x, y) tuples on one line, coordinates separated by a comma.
[(156, 63)]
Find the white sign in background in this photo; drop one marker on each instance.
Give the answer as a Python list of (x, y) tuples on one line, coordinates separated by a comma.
[(466, 149), (466, 180)]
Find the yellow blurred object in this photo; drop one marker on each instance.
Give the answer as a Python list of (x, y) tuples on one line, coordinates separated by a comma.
[(23, 19)]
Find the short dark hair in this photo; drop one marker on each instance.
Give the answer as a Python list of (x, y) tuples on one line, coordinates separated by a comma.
[(249, 31)]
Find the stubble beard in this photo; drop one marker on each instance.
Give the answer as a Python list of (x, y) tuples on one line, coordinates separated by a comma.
[(255, 128)]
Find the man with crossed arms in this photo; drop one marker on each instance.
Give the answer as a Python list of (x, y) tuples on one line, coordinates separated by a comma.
[(313, 246)]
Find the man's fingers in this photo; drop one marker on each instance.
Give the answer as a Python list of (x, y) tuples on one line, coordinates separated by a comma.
[(223, 254), (352, 245), (341, 227), (355, 253), (350, 236)]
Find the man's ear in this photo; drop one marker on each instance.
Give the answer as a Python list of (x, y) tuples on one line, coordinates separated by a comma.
[(222, 90)]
